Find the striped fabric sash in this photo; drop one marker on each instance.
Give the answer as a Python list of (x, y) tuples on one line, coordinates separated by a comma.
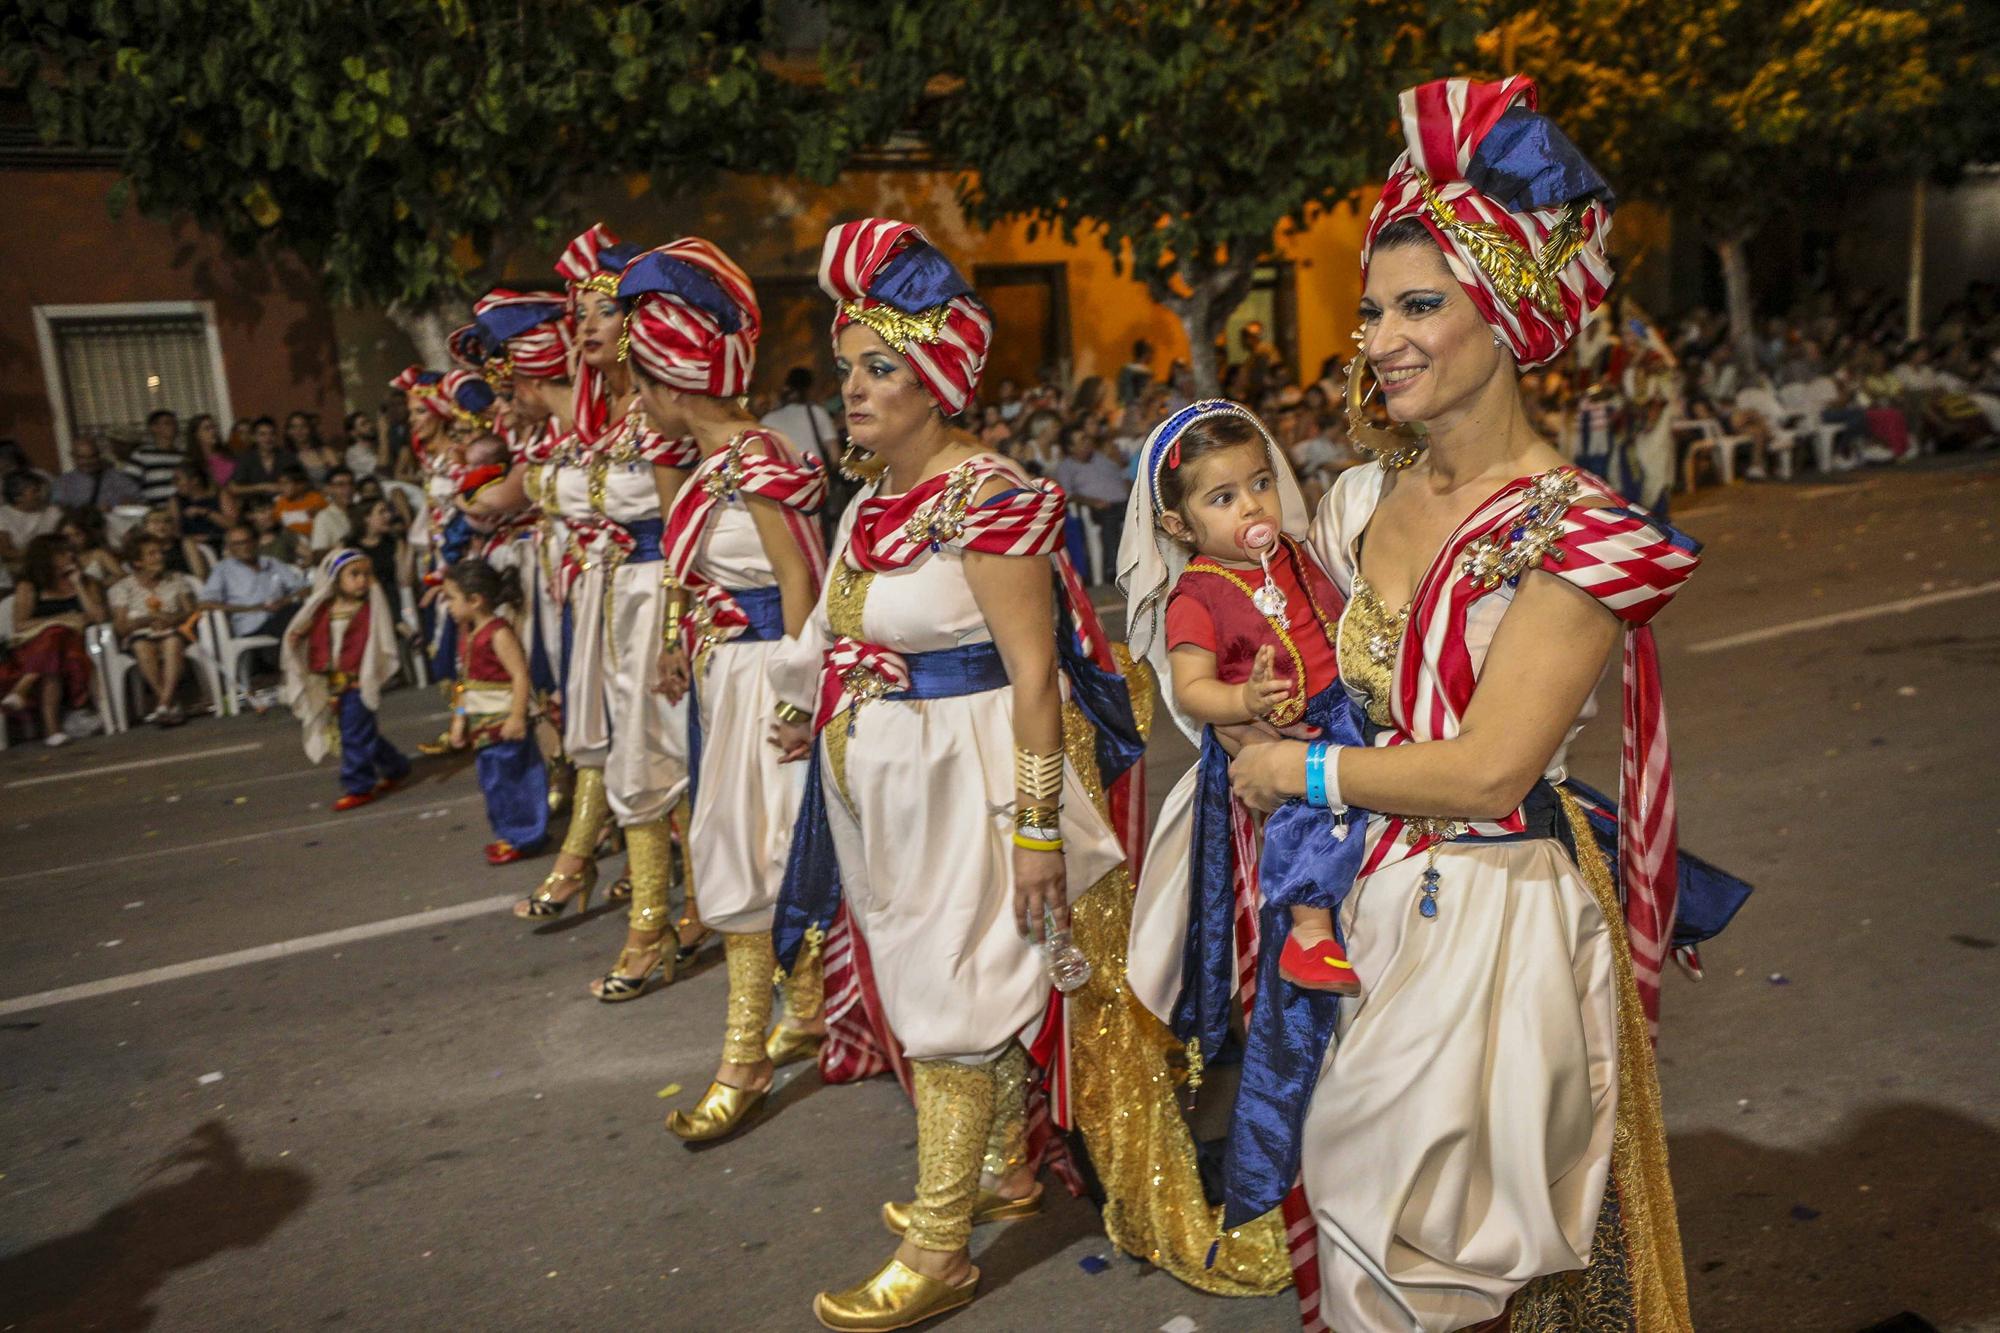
[(893, 533)]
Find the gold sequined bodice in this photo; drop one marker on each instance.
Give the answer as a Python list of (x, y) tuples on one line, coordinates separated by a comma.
[(1369, 636)]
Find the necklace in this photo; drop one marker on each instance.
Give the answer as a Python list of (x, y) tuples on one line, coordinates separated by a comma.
[(1293, 708)]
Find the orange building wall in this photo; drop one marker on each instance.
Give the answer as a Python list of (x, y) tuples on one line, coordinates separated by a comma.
[(59, 245)]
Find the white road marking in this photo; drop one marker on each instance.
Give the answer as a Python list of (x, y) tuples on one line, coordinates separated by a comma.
[(74, 774), (1843, 618), (407, 808), (263, 953)]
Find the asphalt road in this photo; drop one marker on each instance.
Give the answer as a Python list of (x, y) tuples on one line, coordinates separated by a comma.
[(427, 1122)]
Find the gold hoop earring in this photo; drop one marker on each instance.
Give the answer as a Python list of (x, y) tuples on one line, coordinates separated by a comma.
[(1396, 447)]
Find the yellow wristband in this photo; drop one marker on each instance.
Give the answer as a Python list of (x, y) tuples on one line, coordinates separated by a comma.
[(789, 713), (1038, 844)]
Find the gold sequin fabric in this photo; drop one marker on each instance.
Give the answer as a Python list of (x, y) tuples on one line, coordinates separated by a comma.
[(649, 852), (1369, 637), (1596, 1299), (588, 811), (954, 1116), (846, 599), (1124, 1085), (1007, 1141), (751, 962), (805, 988), (1651, 1254)]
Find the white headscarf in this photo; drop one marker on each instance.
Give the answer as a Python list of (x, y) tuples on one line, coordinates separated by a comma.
[(1150, 562), (305, 689)]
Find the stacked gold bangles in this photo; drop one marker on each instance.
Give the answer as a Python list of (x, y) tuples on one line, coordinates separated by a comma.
[(1038, 779)]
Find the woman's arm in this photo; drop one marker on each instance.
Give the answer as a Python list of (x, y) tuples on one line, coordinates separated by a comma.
[(507, 647), (1016, 597), (1545, 659), (509, 495)]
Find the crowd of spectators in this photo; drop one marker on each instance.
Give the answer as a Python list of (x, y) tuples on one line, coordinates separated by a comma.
[(146, 534)]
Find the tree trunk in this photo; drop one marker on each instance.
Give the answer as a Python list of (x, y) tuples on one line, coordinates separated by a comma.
[(1736, 292), (1204, 312), (426, 331), (1914, 316)]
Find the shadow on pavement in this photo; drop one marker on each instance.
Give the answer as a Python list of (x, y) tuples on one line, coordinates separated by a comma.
[(104, 1277), (1897, 1212)]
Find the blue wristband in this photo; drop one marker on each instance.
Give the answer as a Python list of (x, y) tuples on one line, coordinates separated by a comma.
[(1316, 754)]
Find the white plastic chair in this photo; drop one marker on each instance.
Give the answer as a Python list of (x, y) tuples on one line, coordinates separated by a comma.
[(1711, 443), (1784, 437), (223, 661), (100, 694), (118, 669)]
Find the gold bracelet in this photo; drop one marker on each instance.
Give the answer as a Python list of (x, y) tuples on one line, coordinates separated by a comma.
[(1038, 844), (1039, 777), (791, 715), (1042, 816)]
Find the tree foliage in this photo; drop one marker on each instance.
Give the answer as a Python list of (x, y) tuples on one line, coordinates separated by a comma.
[(1731, 111), (1186, 130), (400, 146)]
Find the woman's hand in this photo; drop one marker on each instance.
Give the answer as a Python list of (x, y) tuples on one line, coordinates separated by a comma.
[(514, 728), (792, 740), (1265, 773), (1040, 885), (674, 675)]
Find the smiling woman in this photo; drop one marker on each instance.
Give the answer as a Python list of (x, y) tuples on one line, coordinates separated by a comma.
[(1489, 1119)]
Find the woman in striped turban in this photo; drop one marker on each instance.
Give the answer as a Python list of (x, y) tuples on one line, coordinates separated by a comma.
[(610, 480), (743, 558), (1489, 1120), (447, 413), (941, 800)]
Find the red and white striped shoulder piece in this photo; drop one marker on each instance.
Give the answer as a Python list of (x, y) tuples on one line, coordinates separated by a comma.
[(1026, 519)]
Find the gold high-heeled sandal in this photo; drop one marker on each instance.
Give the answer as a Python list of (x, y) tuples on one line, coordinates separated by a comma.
[(619, 985), (896, 1297), (721, 1111), (543, 904), (788, 1045)]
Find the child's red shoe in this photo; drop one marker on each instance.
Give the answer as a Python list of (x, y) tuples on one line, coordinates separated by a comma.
[(353, 801), (500, 852), (1322, 967)]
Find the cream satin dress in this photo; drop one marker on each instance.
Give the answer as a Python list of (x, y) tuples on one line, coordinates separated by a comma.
[(613, 717), (920, 797), (746, 802), (1459, 1138)]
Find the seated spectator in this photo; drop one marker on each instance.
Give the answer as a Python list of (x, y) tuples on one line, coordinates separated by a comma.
[(206, 449), (274, 538), (1097, 481), (315, 455), (803, 422), (298, 502), (331, 525), (1008, 399), (149, 607), (1037, 444), (160, 526), (994, 432), (93, 483), (153, 462), (259, 466), (260, 594), (1136, 378), (83, 529), (52, 606), (26, 515), (363, 454), (201, 509)]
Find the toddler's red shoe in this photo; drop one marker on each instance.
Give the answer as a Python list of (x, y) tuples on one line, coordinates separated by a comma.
[(387, 785), (353, 801), (1321, 966), (500, 852)]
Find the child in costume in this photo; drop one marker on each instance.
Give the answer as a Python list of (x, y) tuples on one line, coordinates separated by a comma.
[(1239, 622), (338, 653), (490, 710), (1247, 594)]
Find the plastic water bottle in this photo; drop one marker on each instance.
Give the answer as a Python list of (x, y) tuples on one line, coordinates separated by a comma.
[(1068, 968)]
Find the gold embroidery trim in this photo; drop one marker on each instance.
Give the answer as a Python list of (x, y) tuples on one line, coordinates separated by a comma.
[(1293, 708), (897, 328), (1505, 557), (1514, 273)]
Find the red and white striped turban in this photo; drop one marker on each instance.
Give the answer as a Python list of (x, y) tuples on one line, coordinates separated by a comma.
[(411, 377), (459, 395), (532, 333), (888, 275), (593, 261), (691, 318), (1521, 216)]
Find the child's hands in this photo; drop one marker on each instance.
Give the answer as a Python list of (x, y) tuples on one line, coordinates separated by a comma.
[(514, 728), (1265, 691)]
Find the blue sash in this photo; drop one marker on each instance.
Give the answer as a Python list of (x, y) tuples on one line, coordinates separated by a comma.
[(646, 534), (765, 608), (810, 898)]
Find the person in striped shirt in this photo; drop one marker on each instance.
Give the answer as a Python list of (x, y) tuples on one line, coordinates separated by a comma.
[(154, 462)]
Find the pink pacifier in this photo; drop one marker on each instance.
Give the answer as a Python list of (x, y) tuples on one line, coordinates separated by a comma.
[(1260, 537)]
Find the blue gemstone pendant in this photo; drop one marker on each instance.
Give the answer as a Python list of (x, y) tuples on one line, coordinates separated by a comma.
[(1427, 906)]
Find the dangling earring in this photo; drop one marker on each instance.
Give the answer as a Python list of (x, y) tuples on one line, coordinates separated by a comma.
[(1396, 447)]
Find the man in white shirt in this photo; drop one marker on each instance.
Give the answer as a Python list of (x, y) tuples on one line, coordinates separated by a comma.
[(803, 423), (26, 515), (331, 526)]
